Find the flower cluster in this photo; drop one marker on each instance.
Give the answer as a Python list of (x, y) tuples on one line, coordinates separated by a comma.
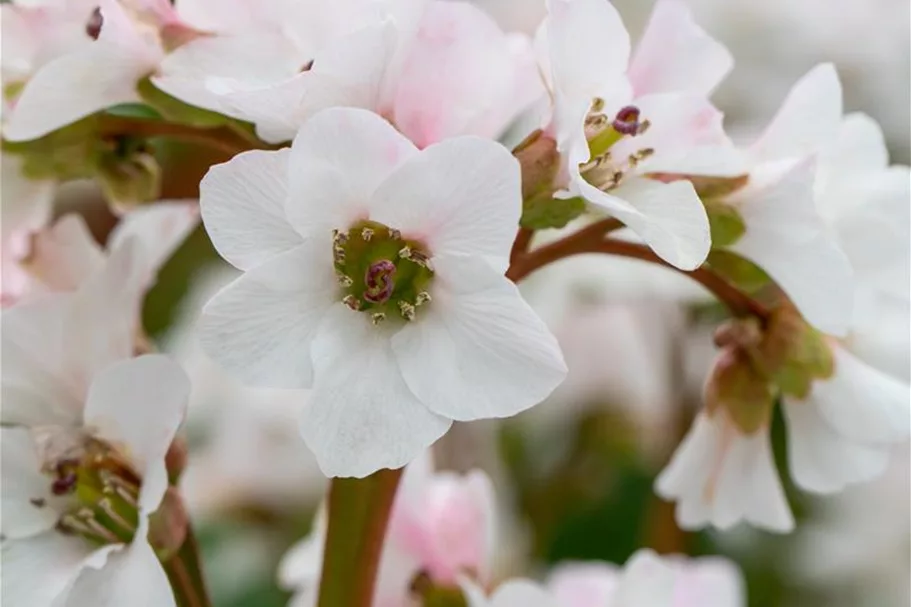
[(390, 169)]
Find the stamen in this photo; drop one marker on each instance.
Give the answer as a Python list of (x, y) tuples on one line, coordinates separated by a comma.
[(422, 298), (627, 121), (394, 234), (115, 516), (64, 484), (93, 26), (367, 234), (352, 302), (405, 253), (597, 105), (377, 318), (407, 310), (345, 281)]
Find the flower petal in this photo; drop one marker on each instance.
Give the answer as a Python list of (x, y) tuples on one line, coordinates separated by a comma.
[(338, 159), (863, 403), (139, 404), (361, 416), (808, 119), (28, 505), (786, 238), (260, 326), (243, 207), (669, 217), (646, 581), (66, 254), (478, 350), (820, 459), (859, 148), (521, 593), (462, 196), (73, 86), (38, 570), (676, 55), (132, 576)]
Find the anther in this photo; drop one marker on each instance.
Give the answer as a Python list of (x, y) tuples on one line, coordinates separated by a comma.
[(93, 26), (377, 318), (339, 238), (344, 281), (405, 253), (422, 298), (597, 105), (64, 484), (367, 234), (38, 502), (352, 302), (394, 234), (407, 310), (627, 121)]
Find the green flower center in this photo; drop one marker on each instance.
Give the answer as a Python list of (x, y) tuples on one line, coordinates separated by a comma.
[(381, 273)]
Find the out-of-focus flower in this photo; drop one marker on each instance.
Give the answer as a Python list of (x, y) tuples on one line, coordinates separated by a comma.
[(86, 430), (616, 120), (647, 580), (442, 528), (374, 273)]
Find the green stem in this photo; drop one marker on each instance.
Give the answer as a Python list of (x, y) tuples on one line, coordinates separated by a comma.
[(184, 571), (358, 514)]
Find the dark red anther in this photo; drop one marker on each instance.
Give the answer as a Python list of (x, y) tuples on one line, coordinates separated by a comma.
[(93, 27), (378, 279), (627, 120), (64, 484)]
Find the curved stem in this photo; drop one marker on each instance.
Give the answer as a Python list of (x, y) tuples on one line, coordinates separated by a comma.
[(358, 514), (184, 571)]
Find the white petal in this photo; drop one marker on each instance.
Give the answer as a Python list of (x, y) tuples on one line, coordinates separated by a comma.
[(462, 196), (863, 403), (37, 571), (338, 159), (881, 335), (243, 207), (670, 217), (28, 506), (808, 119), (520, 593), (860, 147), (361, 416), (646, 581), (139, 404), (260, 326), (786, 238), (26, 202), (688, 472), (131, 577), (74, 86), (589, 46), (65, 255), (676, 55), (159, 229), (821, 461), (36, 386), (477, 350)]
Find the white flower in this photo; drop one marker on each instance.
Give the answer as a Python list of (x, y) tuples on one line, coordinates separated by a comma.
[(86, 429), (844, 430), (616, 121), (647, 580), (374, 273), (441, 525), (89, 77)]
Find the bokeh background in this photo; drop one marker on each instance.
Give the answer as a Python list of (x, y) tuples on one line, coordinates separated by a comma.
[(574, 475)]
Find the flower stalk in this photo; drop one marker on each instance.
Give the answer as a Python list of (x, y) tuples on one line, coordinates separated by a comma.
[(184, 571)]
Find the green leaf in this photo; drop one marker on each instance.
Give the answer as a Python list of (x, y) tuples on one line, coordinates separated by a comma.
[(738, 270), (543, 212), (725, 223)]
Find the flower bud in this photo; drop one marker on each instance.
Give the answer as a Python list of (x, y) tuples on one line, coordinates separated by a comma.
[(540, 161), (737, 387), (168, 525)]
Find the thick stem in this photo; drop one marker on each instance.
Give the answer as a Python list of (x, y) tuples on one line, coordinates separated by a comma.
[(184, 571), (358, 514), (523, 265)]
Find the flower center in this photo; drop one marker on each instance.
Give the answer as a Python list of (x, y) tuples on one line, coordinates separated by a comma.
[(381, 273), (99, 494), (603, 170)]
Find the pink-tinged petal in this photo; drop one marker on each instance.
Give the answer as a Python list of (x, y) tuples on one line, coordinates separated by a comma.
[(242, 203), (457, 76), (462, 196), (74, 86), (669, 217), (39, 570), (721, 477), (820, 459), (786, 237), (65, 255), (863, 403), (676, 55), (584, 583), (100, 323), (588, 47), (132, 576), (646, 581), (361, 416), (260, 326), (707, 582), (28, 506), (338, 159), (519, 593), (27, 202), (139, 404), (37, 385), (477, 350), (159, 229), (808, 119)]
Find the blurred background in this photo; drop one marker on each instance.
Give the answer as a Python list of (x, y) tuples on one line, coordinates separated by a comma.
[(574, 475)]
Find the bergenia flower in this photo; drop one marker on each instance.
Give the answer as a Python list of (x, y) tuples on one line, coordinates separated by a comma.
[(442, 529), (616, 122), (374, 273), (86, 430), (93, 76), (647, 580)]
